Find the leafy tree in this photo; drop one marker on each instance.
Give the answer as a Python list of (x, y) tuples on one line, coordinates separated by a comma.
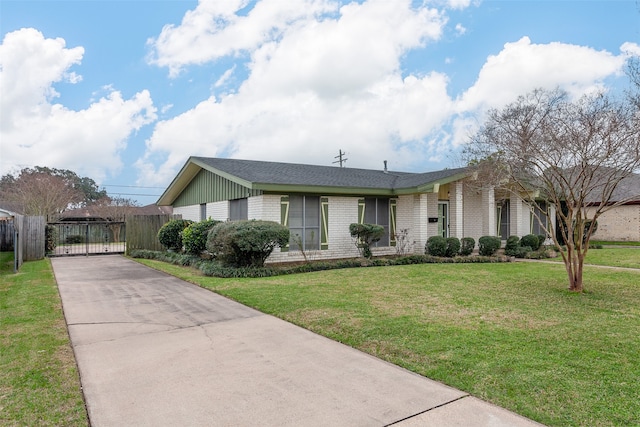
[(49, 191), (574, 151)]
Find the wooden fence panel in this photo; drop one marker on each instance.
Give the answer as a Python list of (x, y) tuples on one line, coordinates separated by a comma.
[(18, 251), (6, 235), (33, 235), (142, 231)]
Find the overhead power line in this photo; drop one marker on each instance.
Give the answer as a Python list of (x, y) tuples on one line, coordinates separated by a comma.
[(127, 186)]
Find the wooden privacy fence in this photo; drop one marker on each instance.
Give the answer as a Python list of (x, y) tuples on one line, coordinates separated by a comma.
[(6, 234), (29, 239), (142, 231)]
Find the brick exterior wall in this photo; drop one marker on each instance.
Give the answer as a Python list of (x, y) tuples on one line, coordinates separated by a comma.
[(472, 213), (619, 224), (188, 212), (218, 210)]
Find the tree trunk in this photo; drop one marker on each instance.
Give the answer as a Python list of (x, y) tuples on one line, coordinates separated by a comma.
[(573, 262)]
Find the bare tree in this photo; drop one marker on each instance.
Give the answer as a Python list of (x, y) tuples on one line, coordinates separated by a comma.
[(39, 193), (573, 152)]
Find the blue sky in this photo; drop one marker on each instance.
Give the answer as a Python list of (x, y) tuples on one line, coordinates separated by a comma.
[(125, 91)]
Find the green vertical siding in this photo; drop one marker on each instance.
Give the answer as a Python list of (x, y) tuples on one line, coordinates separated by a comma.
[(208, 187)]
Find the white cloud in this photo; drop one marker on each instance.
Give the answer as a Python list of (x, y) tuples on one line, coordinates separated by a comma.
[(37, 132), (323, 82), (323, 85), (214, 29), (458, 4), (225, 77), (630, 49), (460, 29), (523, 66)]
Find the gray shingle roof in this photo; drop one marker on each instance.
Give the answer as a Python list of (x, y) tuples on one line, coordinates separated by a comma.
[(327, 176)]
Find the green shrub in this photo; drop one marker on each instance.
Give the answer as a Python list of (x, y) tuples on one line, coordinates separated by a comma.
[(488, 245), (467, 244), (453, 247), (51, 238), (531, 240), (74, 239), (523, 251), (170, 234), (246, 243), (541, 239), (365, 235), (511, 247), (194, 237), (436, 246)]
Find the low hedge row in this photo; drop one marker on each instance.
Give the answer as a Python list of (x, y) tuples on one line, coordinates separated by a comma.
[(215, 268)]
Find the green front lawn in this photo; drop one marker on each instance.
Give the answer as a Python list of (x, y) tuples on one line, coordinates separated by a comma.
[(507, 333), (39, 382), (615, 257)]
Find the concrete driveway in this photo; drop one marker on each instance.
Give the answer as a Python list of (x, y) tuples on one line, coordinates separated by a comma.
[(154, 350)]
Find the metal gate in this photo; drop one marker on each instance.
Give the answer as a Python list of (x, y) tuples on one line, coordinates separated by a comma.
[(87, 238)]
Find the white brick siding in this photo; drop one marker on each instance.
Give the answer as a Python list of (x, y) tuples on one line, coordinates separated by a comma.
[(218, 210), (188, 212)]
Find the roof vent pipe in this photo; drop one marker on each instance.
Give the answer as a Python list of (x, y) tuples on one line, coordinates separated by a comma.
[(385, 166)]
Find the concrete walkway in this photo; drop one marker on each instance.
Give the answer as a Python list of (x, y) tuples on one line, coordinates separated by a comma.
[(154, 350)]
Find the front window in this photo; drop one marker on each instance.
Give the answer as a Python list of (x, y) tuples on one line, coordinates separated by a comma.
[(238, 210), (376, 211), (304, 222), (539, 220)]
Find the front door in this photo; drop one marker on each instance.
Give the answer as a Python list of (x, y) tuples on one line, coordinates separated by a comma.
[(443, 219)]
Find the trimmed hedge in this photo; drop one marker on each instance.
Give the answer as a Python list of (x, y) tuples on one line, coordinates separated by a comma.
[(467, 244), (170, 234), (194, 237), (531, 240), (365, 235), (217, 269), (488, 245), (511, 247), (436, 246), (453, 247), (246, 243)]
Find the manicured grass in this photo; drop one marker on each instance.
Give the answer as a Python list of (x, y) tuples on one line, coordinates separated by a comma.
[(608, 243), (616, 257), (39, 382), (508, 333)]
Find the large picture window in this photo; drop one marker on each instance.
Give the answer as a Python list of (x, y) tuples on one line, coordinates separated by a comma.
[(379, 211), (307, 220)]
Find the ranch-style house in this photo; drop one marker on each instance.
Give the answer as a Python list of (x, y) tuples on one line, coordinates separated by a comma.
[(318, 203)]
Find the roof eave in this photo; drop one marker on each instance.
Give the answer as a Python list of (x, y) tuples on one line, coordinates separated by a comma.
[(323, 190), (434, 186)]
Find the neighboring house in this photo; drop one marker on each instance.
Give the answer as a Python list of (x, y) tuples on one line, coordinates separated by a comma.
[(318, 203), (621, 223)]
